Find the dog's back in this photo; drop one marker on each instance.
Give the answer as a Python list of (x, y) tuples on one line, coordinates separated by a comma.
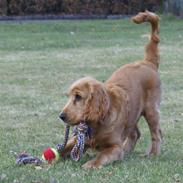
[(141, 77)]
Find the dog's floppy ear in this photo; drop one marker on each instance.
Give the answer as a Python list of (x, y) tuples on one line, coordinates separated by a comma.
[(98, 103)]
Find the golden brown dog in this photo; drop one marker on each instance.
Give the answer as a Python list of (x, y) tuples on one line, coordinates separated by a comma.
[(113, 108)]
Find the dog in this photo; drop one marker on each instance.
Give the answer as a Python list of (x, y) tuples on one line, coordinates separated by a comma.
[(113, 108)]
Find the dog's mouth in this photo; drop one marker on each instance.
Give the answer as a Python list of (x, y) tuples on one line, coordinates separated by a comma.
[(71, 123), (65, 118)]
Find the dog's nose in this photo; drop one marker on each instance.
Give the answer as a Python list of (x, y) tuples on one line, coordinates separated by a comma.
[(63, 116)]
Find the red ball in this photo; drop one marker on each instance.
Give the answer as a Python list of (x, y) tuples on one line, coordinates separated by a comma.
[(50, 154)]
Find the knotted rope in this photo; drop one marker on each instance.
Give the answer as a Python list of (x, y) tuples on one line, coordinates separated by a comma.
[(82, 131)]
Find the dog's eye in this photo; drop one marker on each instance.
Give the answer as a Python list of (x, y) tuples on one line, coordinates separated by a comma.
[(77, 97)]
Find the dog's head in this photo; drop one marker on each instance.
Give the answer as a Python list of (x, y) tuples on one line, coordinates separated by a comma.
[(87, 101)]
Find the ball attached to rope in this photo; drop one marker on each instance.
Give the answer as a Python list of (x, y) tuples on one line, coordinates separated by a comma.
[(81, 131), (50, 155)]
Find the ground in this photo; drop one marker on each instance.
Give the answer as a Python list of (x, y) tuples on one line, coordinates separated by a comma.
[(39, 61)]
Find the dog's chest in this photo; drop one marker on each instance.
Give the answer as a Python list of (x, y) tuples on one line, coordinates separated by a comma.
[(101, 140)]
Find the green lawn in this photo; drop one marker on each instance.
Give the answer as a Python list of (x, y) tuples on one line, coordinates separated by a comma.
[(39, 61)]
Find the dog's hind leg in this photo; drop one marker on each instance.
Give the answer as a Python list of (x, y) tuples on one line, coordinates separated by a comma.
[(152, 118), (131, 139)]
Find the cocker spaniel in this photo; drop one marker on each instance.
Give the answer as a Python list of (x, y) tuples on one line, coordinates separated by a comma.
[(113, 108)]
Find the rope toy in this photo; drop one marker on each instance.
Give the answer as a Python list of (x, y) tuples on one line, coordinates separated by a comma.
[(82, 131)]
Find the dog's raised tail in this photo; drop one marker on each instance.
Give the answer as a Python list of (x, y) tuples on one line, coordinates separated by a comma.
[(151, 50)]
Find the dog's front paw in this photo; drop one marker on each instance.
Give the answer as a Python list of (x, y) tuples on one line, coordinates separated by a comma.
[(92, 164)]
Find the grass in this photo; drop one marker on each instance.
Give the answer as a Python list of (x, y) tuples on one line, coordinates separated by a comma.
[(39, 61)]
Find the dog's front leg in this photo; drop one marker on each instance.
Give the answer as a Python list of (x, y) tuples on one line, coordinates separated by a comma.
[(106, 156), (70, 144)]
